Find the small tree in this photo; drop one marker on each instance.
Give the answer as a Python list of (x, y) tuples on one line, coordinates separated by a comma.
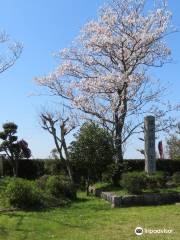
[(91, 152), (13, 149), (59, 127)]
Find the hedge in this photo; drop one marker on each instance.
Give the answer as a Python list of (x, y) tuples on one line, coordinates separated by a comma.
[(168, 166), (34, 168)]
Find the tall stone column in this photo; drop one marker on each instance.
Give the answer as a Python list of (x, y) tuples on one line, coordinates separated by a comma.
[(149, 138)]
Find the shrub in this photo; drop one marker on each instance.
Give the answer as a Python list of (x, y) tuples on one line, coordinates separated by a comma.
[(112, 170), (134, 182), (23, 193), (161, 179), (156, 181), (176, 178), (4, 182), (50, 200), (47, 191), (58, 186), (55, 190), (41, 182), (151, 183)]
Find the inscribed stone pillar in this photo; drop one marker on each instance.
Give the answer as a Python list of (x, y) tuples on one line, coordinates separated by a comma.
[(149, 138)]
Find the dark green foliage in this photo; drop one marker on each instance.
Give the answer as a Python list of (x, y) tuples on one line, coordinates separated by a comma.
[(156, 181), (34, 168), (47, 191), (22, 193), (133, 165), (41, 182), (10, 127), (13, 150), (91, 153), (54, 167), (176, 178), (29, 169), (167, 166), (112, 174), (161, 179), (134, 182), (3, 184), (152, 183), (59, 186)]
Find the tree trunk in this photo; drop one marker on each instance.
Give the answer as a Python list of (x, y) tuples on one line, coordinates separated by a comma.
[(87, 186), (118, 162), (66, 160), (68, 165), (17, 167), (118, 149), (120, 115)]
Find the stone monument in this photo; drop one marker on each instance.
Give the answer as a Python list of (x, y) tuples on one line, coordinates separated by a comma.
[(149, 148)]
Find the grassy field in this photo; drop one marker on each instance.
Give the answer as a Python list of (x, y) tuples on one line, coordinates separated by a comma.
[(90, 219)]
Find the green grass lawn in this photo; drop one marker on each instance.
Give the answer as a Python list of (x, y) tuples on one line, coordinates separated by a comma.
[(89, 219)]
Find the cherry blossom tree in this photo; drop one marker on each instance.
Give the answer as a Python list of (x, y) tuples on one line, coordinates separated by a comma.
[(104, 75), (11, 54)]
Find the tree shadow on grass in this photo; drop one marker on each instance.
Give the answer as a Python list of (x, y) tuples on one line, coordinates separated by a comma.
[(17, 228), (47, 218), (4, 232), (81, 200)]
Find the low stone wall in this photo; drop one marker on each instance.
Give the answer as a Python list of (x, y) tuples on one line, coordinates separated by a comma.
[(147, 199)]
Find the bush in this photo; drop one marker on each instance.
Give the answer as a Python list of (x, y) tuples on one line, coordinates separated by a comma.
[(47, 191), (50, 200), (112, 170), (41, 182), (59, 187), (22, 193), (156, 181), (161, 179), (176, 178), (134, 182)]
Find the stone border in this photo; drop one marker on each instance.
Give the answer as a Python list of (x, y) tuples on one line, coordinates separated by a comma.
[(148, 199)]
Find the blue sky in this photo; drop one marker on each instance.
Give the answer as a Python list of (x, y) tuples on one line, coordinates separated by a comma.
[(44, 27)]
